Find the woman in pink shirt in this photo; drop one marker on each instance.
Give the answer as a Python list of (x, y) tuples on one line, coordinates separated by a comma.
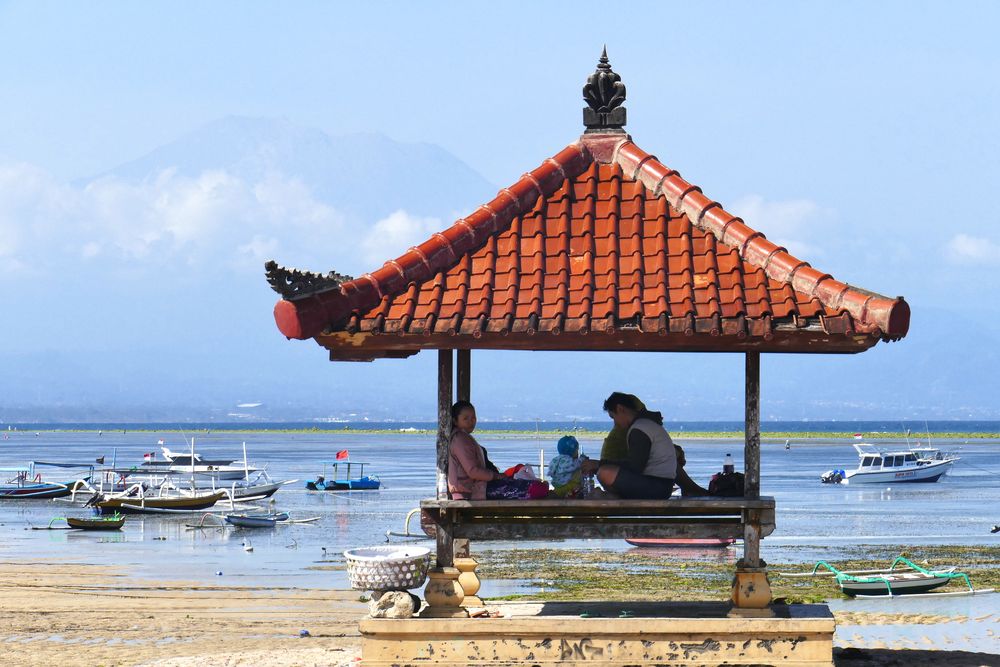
[(468, 471)]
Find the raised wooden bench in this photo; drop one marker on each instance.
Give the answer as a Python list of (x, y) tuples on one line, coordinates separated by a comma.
[(549, 519)]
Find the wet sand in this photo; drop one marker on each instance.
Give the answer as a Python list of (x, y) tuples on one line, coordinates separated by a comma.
[(86, 614), (62, 614)]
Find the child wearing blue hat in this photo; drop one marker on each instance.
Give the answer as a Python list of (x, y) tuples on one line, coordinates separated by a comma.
[(564, 470)]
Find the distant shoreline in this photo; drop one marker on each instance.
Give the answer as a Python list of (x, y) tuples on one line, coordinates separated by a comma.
[(778, 436)]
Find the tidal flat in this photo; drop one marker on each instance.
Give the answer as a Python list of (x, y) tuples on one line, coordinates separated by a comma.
[(638, 574)]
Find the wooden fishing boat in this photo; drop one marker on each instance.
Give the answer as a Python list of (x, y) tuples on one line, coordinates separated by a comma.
[(895, 583), (33, 491), (114, 522), (682, 542), (126, 503), (257, 520), (902, 577), (26, 484)]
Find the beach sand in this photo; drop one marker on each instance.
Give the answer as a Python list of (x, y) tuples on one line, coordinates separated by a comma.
[(86, 614), (65, 614)]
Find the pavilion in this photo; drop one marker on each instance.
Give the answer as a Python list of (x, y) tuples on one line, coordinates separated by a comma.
[(601, 247)]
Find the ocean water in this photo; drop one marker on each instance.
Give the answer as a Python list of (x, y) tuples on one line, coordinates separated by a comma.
[(814, 520), (802, 425)]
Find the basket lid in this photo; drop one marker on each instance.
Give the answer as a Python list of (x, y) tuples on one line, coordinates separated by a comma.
[(386, 553)]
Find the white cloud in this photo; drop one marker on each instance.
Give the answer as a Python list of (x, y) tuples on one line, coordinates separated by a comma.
[(787, 223), (963, 248), (214, 219), (393, 235)]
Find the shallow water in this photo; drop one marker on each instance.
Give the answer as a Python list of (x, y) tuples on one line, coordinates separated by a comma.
[(814, 520), (973, 625)]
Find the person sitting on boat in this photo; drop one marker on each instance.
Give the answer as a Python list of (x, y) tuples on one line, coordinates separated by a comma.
[(470, 477), (564, 469)]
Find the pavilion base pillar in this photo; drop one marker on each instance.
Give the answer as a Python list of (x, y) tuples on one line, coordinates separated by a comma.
[(469, 581), (444, 594), (751, 591)]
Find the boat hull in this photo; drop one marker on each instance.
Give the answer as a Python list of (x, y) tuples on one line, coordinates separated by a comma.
[(681, 542), (38, 491), (360, 484), (902, 584), (259, 521), (138, 505), (926, 474), (96, 524)]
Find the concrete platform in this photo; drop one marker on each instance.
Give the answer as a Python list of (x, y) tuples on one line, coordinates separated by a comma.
[(597, 633)]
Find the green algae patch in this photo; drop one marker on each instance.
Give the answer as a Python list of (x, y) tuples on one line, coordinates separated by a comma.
[(568, 574)]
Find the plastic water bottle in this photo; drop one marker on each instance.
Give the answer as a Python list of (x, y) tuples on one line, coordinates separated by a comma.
[(727, 465), (587, 486)]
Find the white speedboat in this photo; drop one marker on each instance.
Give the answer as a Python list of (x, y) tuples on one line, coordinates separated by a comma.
[(912, 464)]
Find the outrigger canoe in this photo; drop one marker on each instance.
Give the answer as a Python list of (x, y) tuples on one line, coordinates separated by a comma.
[(114, 522), (256, 520), (907, 579), (132, 504)]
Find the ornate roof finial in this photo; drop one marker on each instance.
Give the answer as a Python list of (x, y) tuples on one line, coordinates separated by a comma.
[(293, 284), (604, 94)]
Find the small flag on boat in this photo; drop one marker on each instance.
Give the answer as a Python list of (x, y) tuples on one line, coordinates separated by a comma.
[(149, 456), (100, 460), (858, 436), (342, 454)]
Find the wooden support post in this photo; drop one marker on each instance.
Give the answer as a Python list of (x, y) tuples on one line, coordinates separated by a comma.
[(751, 538), (751, 447), (464, 393), (751, 589), (443, 593), (464, 375), (446, 372)]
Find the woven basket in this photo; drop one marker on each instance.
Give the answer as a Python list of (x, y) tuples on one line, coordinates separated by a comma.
[(387, 568)]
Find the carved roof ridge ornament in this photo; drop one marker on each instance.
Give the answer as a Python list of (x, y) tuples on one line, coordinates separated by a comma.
[(293, 284), (604, 94)]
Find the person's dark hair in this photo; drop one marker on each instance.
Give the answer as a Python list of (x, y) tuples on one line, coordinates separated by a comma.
[(619, 398), (457, 408)]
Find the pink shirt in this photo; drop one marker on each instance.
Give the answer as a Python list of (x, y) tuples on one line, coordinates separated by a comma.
[(467, 471)]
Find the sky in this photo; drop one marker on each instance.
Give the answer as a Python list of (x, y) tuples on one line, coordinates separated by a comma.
[(865, 137)]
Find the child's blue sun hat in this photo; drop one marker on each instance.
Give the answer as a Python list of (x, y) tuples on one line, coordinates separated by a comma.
[(568, 445)]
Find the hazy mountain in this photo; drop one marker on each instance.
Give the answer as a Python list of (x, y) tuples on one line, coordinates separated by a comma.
[(366, 174)]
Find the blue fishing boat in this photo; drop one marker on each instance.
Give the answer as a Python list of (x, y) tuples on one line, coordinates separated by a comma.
[(27, 484), (337, 477)]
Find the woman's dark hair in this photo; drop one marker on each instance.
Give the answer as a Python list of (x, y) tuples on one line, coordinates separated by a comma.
[(619, 398), (457, 408)]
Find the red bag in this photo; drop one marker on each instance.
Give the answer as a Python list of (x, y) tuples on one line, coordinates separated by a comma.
[(510, 472)]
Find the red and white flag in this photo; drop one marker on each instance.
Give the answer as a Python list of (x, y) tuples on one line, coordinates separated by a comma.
[(149, 456), (342, 454), (858, 436)]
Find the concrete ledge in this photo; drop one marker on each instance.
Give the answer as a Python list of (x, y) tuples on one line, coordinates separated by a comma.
[(555, 633)]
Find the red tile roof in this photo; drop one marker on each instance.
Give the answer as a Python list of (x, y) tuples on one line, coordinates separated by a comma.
[(602, 237)]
